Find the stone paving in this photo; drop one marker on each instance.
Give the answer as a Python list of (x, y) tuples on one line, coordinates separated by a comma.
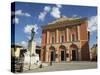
[(78, 65)]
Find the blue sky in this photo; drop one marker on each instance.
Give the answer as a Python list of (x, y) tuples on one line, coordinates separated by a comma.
[(28, 15)]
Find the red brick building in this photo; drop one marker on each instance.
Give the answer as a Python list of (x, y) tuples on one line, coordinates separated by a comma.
[(65, 39)]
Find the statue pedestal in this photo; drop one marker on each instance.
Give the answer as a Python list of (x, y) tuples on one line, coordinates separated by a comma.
[(31, 59), (32, 47)]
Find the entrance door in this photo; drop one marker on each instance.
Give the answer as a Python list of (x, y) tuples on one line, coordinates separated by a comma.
[(73, 55), (62, 55), (39, 53), (52, 56)]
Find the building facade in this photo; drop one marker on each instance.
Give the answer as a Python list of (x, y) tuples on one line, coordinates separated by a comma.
[(65, 39)]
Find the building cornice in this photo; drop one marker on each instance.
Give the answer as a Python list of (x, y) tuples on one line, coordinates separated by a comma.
[(64, 23)]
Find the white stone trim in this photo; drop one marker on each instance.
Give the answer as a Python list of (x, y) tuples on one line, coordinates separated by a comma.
[(67, 34), (47, 37), (78, 28), (47, 56), (57, 35)]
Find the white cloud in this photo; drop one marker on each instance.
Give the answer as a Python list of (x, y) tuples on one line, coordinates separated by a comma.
[(47, 8), (20, 13), (92, 24), (27, 14), (28, 28), (35, 28), (43, 14), (24, 44), (15, 20), (55, 12), (59, 6), (74, 15)]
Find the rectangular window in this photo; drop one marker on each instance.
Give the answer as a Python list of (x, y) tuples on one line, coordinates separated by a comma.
[(62, 38), (73, 37), (52, 39)]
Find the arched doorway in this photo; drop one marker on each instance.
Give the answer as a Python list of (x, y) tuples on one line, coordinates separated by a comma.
[(74, 52), (63, 53), (52, 54), (74, 55)]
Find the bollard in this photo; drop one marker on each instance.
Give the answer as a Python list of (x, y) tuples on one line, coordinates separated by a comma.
[(40, 65), (50, 63)]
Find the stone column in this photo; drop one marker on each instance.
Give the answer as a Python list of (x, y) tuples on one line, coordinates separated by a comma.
[(79, 54), (67, 33), (68, 52), (57, 52), (59, 55), (47, 37), (78, 28), (47, 54), (57, 36)]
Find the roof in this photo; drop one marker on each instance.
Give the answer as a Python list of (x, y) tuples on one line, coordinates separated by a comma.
[(18, 46), (62, 22), (38, 47)]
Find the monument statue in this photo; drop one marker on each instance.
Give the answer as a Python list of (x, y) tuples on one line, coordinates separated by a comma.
[(32, 43), (31, 60), (32, 33), (31, 57)]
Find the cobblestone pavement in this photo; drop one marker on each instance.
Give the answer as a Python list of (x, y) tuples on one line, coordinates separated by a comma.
[(66, 66)]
